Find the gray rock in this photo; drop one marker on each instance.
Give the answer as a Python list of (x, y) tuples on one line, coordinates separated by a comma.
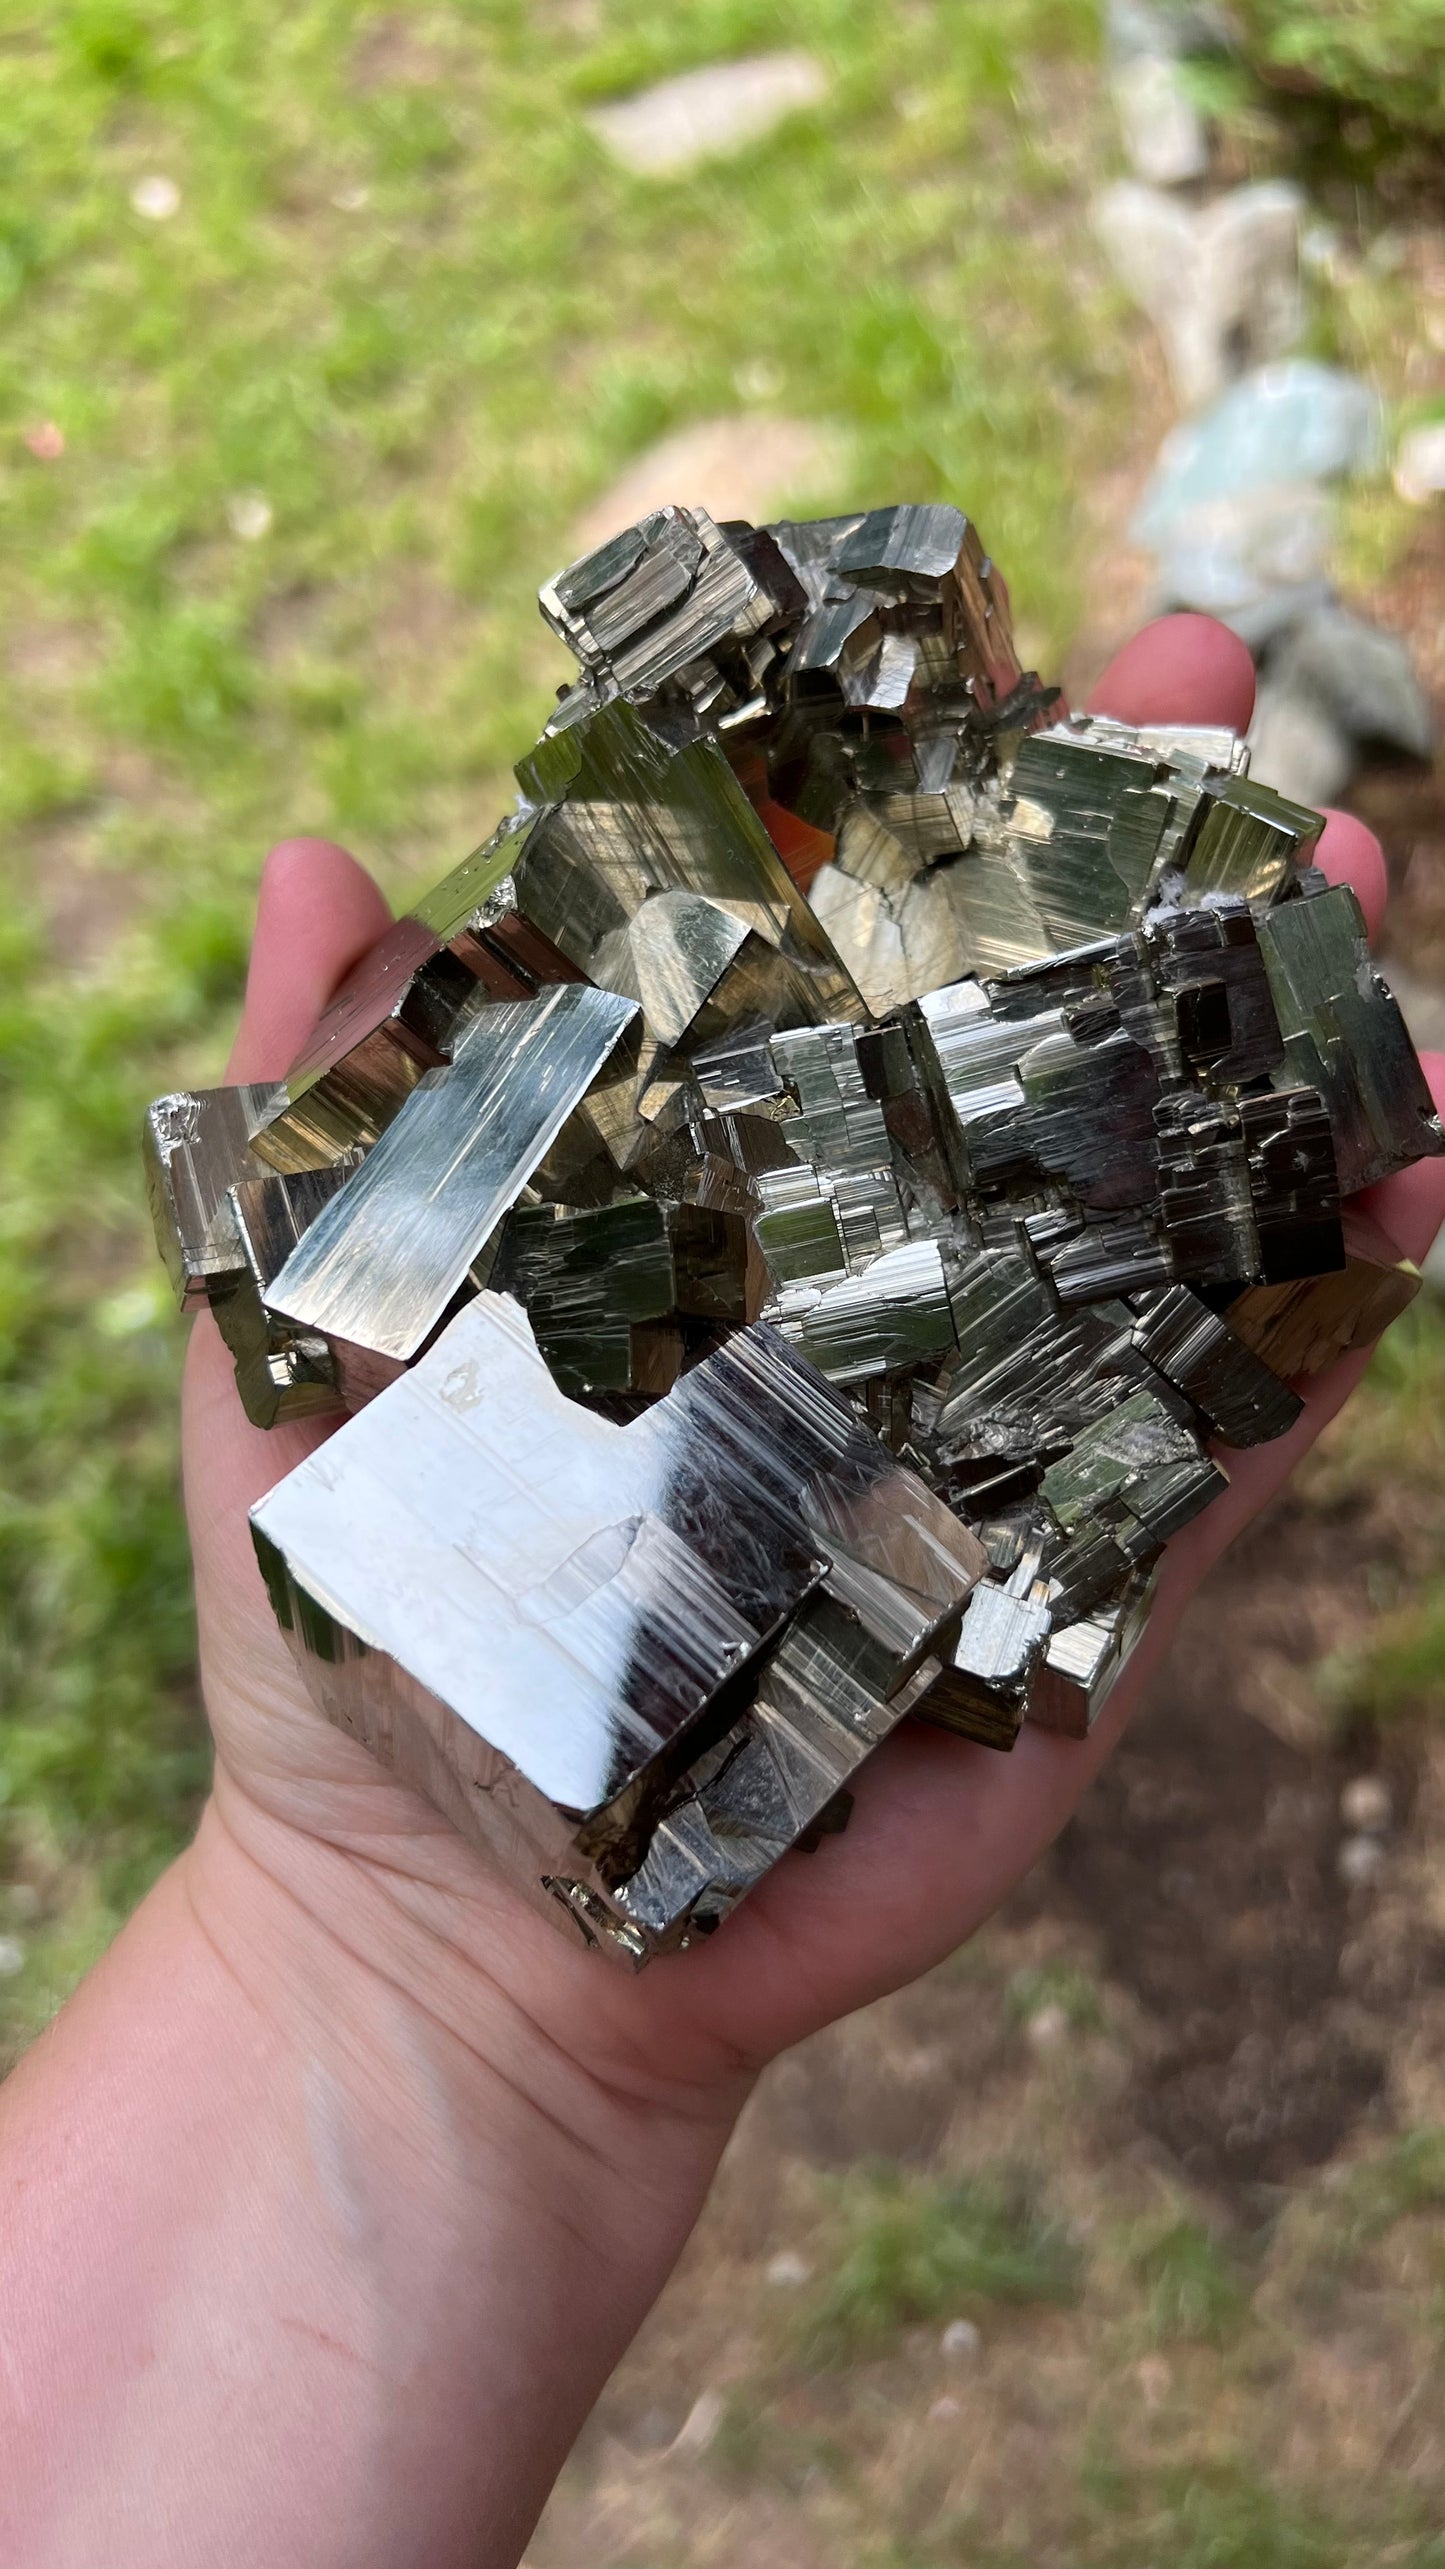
[(1283, 426), (1149, 238), (1231, 555), (1297, 746), (1333, 687), (1173, 27), (708, 114), (1048, 2027), (699, 2428), (1221, 283), (1361, 1862), (1367, 1806), (1265, 620), (1365, 678), (1420, 463), (787, 2270), (1162, 131)]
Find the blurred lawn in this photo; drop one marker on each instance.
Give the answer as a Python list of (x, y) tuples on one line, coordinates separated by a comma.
[(406, 302)]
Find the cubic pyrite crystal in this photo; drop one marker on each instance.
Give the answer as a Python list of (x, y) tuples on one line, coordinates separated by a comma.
[(790, 1216)]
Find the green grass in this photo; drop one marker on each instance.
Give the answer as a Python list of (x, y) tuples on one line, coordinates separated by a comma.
[(1346, 95), (1055, 1984), (407, 301), (1191, 2286), (760, 2438), (1400, 1671), (1194, 2516), (1225, 2516), (1387, 56), (911, 2249), (1394, 1430), (1406, 2178)]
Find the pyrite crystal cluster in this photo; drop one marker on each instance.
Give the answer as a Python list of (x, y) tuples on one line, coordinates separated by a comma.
[(766, 1317)]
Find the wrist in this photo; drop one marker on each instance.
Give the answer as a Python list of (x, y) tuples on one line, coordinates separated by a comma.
[(452, 2013), (498, 2218), (299, 2211)]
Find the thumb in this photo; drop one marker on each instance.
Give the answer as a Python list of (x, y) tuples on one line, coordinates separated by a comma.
[(318, 914)]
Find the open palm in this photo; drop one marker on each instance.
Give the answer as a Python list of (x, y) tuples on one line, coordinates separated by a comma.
[(941, 1829)]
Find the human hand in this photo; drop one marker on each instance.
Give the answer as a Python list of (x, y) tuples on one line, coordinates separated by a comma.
[(345, 2179), (941, 1829)]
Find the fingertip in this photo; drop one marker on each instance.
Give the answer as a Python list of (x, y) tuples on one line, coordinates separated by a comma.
[(291, 856), (1350, 853), (317, 913), (311, 882), (1180, 669)]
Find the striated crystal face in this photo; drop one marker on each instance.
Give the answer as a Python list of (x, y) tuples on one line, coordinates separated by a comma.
[(792, 1219)]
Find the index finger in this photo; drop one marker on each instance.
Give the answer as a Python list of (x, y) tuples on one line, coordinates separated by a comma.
[(1180, 669)]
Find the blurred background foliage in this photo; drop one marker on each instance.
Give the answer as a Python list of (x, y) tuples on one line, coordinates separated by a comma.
[(1353, 92), (1383, 56)]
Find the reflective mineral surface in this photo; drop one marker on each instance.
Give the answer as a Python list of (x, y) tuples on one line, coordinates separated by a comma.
[(797, 1220)]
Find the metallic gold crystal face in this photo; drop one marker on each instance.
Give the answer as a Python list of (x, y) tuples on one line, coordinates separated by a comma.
[(763, 1318)]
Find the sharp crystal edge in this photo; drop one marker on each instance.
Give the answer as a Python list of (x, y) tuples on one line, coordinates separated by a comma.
[(746, 1537), (383, 1257), (197, 1144), (768, 1315)]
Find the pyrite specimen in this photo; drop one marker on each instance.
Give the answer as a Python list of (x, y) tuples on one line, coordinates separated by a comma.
[(764, 1317)]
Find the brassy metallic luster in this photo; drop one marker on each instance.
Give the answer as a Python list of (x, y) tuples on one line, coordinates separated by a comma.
[(797, 1220)]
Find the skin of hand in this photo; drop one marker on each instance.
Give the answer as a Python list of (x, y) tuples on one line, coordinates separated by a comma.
[(479, 2146), (941, 1829)]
